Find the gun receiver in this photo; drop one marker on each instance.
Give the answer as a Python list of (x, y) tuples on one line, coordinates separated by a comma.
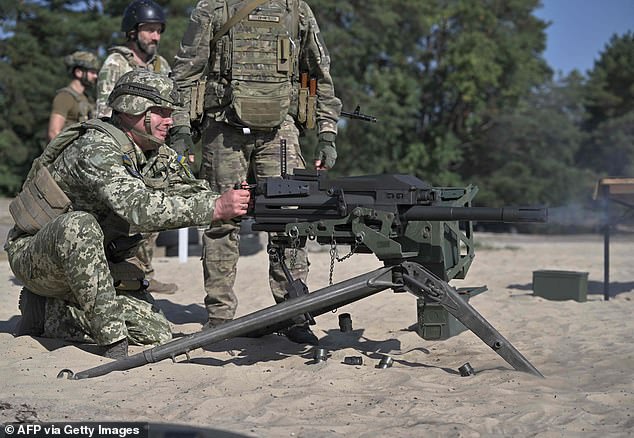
[(396, 217), (423, 234)]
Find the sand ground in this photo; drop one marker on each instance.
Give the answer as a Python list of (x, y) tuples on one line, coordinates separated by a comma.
[(269, 387)]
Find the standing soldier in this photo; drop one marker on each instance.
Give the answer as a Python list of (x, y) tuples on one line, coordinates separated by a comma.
[(253, 74), (143, 23), (72, 104)]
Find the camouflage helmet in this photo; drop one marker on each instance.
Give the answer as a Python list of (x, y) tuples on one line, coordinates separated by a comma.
[(85, 60), (142, 11), (138, 90)]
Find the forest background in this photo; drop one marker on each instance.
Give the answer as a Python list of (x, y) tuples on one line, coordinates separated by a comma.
[(461, 89)]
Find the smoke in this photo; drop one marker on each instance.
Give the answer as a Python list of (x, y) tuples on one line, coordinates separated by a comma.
[(576, 215)]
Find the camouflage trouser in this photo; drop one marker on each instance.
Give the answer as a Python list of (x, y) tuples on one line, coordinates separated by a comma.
[(144, 321), (65, 262), (229, 156)]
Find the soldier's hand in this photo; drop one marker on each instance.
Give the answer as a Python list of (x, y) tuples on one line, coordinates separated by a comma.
[(232, 203), (326, 151), (181, 141)]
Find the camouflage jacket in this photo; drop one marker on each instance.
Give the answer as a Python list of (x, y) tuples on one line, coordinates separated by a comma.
[(128, 191), (120, 61), (195, 53)]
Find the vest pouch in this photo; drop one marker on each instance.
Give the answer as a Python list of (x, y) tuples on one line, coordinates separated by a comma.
[(197, 99), (40, 201), (260, 104)]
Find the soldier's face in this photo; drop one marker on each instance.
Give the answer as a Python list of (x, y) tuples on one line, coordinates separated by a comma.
[(148, 37), (87, 77), (155, 122), (160, 121), (91, 76)]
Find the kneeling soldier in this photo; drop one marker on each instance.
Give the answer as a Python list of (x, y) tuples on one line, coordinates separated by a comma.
[(96, 186)]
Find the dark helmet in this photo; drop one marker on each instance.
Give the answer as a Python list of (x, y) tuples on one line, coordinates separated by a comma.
[(142, 11)]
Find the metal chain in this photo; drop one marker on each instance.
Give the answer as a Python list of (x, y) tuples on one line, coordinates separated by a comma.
[(333, 256), (353, 248)]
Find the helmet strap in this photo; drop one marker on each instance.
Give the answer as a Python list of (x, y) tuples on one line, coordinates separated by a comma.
[(147, 135), (155, 141)]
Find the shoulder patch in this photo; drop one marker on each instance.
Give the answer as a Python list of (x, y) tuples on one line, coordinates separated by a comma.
[(129, 165), (185, 165)]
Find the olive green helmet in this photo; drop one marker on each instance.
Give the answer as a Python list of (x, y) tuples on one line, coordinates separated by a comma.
[(138, 90), (85, 60)]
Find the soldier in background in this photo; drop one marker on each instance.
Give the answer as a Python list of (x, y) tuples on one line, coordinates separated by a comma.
[(143, 23), (256, 73), (72, 104), (79, 283)]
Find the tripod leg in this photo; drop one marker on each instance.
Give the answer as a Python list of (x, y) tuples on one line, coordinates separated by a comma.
[(421, 282), (318, 302)]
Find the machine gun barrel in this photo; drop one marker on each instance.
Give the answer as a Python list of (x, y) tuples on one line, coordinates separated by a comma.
[(482, 214)]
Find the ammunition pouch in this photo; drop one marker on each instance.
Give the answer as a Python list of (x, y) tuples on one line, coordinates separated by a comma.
[(302, 102), (311, 112), (128, 276), (123, 248), (40, 201), (263, 106), (307, 102), (197, 99)]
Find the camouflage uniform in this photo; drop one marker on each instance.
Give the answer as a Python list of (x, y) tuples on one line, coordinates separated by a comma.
[(112, 187), (120, 61), (230, 155)]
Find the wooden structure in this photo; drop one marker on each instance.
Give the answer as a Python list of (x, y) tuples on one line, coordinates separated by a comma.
[(608, 190)]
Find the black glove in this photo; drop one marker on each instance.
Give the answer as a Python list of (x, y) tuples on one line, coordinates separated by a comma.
[(326, 150), (181, 140)]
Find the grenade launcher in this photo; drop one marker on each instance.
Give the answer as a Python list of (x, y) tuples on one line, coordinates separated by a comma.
[(422, 234)]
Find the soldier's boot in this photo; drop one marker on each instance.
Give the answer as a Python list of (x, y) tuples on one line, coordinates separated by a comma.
[(117, 350), (214, 322), (158, 287), (33, 309), (300, 334)]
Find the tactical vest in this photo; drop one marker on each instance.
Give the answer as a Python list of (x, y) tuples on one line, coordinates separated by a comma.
[(84, 109), (255, 64), (41, 199), (155, 65)]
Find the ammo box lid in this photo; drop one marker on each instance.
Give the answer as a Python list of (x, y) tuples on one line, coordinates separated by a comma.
[(559, 274)]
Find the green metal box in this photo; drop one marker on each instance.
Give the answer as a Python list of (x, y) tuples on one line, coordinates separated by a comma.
[(435, 323), (561, 285)]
